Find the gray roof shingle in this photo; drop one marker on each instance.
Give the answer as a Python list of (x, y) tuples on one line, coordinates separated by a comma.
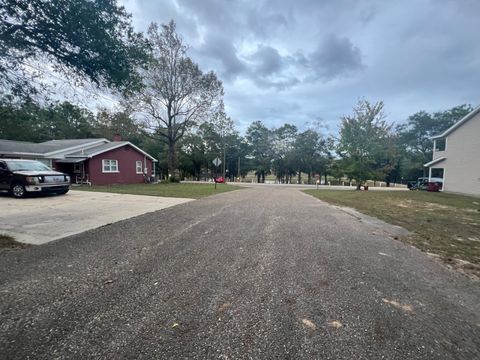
[(99, 148), (12, 147)]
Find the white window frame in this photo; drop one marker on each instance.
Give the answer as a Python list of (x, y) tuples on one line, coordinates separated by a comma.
[(139, 165), (109, 163)]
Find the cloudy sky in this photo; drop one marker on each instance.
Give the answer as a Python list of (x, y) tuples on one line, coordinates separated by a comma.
[(304, 61)]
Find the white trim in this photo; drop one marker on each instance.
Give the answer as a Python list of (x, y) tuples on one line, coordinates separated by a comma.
[(443, 182), (459, 123), (136, 167), (433, 162), (14, 153), (109, 165)]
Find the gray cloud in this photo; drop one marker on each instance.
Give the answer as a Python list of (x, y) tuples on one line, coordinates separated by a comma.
[(267, 61), (219, 50), (335, 56), (324, 56)]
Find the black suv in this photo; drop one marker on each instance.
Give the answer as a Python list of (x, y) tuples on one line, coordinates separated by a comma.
[(20, 177)]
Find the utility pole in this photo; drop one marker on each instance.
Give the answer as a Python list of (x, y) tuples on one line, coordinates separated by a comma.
[(223, 165)]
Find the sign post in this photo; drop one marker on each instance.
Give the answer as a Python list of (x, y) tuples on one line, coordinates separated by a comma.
[(217, 162)]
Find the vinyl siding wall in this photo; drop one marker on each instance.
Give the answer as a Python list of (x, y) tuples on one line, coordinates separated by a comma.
[(462, 163)]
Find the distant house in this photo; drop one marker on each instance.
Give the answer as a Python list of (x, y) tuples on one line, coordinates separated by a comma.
[(92, 161), (456, 156)]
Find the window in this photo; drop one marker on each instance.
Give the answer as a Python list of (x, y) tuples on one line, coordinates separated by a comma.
[(110, 166), (437, 173), (440, 144), (139, 167)]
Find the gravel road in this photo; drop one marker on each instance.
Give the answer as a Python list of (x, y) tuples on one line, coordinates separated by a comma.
[(259, 273)]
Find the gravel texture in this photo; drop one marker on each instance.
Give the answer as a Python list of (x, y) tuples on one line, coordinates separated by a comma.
[(262, 273)]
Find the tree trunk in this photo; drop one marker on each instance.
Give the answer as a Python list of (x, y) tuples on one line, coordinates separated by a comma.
[(172, 159), (299, 180)]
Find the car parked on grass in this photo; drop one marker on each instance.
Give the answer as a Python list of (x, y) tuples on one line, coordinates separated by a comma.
[(422, 183), (20, 177)]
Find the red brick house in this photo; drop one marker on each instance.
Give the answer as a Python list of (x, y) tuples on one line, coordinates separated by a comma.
[(89, 161)]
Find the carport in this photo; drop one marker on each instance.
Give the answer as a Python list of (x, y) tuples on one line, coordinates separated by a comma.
[(75, 167)]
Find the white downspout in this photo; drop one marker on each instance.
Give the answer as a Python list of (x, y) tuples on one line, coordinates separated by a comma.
[(443, 182)]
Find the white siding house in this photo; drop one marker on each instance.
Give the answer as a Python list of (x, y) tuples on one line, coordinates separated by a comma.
[(456, 156)]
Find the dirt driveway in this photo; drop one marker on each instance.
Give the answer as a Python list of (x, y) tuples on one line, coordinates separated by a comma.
[(39, 220)]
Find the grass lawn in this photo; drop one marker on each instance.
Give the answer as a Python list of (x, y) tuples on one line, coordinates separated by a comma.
[(9, 242), (192, 191), (445, 224)]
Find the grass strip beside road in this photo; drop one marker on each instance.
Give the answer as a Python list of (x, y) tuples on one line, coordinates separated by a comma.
[(444, 224), (192, 191), (8, 242)]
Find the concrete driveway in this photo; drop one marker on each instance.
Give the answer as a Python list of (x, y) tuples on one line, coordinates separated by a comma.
[(39, 220)]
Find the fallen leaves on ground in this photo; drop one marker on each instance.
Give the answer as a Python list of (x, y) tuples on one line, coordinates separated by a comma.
[(224, 307), (309, 324), (404, 307), (335, 324)]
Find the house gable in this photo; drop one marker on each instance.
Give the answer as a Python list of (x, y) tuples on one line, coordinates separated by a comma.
[(459, 123), (125, 159)]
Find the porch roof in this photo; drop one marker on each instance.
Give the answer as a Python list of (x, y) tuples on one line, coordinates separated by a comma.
[(70, 160), (433, 162)]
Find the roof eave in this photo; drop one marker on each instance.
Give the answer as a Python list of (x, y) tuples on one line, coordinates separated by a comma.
[(433, 162), (120, 145), (459, 123), (22, 153)]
